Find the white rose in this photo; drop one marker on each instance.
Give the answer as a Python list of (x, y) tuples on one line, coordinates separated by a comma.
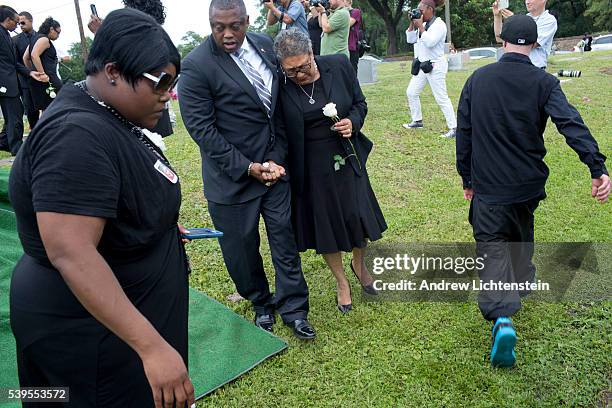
[(52, 95), (3, 89), (156, 138), (330, 111)]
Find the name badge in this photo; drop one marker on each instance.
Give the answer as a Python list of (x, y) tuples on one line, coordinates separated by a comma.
[(166, 172)]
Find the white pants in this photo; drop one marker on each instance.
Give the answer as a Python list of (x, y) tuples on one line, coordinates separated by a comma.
[(437, 81)]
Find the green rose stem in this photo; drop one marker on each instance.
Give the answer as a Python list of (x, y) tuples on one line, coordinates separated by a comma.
[(336, 119)]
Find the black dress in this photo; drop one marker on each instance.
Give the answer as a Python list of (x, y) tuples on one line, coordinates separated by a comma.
[(164, 125), (337, 210), (315, 31), (38, 89), (80, 159)]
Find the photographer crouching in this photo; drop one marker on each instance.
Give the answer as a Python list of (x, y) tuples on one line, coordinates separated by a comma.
[(428, 33), (289, 13)]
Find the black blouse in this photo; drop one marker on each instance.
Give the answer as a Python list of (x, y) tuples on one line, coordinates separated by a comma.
[(82, 160)]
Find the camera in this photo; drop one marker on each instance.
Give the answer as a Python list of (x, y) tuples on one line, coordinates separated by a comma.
[(324, 3), (415, 14)]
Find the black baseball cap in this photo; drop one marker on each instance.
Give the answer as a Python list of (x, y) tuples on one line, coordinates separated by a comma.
[(519, 29)]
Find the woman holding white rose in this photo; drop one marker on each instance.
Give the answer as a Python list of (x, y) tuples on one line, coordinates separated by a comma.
[(334, 207), (41, 56)]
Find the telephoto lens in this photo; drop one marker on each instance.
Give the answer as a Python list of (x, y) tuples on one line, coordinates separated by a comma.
[(569, 73)]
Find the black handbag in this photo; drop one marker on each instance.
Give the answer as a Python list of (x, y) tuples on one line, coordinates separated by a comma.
[(416, 66), (426, 67)]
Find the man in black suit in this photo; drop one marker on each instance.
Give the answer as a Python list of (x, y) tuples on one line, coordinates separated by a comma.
[(26, 38), (10, 64), (227, 93)]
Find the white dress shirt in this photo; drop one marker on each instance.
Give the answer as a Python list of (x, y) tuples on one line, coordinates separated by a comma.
[(547, 27), (252, 56), (430, 46)]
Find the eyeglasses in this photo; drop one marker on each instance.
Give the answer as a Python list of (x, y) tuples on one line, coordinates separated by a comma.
[(304, 69), (163, 83)]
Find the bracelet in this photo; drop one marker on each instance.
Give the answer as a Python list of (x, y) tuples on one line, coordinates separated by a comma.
[(249, 169)]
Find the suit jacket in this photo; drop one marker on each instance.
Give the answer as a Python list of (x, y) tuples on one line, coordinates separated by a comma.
[(342, 88), (224, 115), (22, 42), (10, 65)]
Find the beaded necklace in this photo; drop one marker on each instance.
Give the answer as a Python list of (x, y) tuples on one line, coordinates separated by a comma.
[(135, 130)]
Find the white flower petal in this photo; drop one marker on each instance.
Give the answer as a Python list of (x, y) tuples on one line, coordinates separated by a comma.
[(156, 138), (329, 110)]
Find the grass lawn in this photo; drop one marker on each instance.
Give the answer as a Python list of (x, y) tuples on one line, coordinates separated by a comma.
[(430, 354)]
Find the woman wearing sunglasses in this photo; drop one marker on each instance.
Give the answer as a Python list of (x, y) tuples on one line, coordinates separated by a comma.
[(41, 56), (155, 9), (99, 299), (333, 206)]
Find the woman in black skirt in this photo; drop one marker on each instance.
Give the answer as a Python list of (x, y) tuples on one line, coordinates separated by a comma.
[(99, 300), (314, 29), (41, 56), (334, 209)]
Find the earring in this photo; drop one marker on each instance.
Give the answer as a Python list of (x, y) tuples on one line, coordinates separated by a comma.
[(113, 82)]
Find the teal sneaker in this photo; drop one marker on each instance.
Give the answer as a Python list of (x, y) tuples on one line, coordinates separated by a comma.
[(503, 340)]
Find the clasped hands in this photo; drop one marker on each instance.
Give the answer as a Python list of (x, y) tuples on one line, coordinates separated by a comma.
[(39, 76), (268, 172)]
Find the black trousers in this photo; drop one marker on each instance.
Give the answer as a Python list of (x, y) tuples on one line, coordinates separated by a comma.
[(28, 106), (12, 111), (504, 233), (354, 59), (240, 248)]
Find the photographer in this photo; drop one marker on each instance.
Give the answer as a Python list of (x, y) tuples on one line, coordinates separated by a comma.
[(353, 41), (335, 28), (314, 29), (547, 27), (290, 14), (428, 33)]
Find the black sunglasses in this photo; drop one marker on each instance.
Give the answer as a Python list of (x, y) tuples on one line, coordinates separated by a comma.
[(163, 83)]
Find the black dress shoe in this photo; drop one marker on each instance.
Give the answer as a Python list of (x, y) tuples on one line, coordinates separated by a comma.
[(369, 289), (302, 329), (344, 309), (265, 321)]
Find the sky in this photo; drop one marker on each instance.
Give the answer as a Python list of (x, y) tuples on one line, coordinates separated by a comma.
[(181, 16)]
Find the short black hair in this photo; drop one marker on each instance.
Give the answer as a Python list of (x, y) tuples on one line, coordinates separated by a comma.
[(135, 42), (7, 12), (47, 25), (226, 5), (26, 15), (154, 8)]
